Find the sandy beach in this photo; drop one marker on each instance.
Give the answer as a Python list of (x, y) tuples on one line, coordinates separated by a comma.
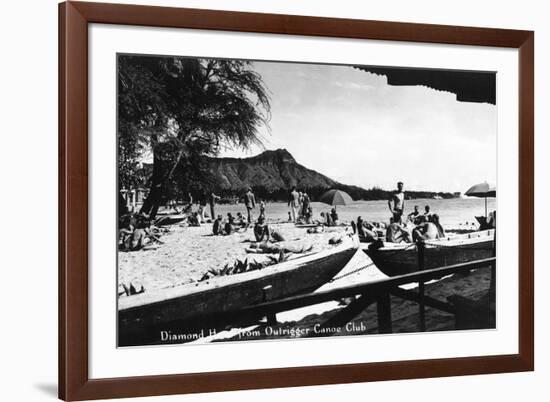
[(189, 252)]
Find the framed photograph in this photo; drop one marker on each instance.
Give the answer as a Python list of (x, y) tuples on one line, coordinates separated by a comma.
[(259, 200)]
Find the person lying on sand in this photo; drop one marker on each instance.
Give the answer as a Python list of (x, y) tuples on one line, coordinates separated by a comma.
[(340, 237), (316, 229), (267, 248), (430, 230)]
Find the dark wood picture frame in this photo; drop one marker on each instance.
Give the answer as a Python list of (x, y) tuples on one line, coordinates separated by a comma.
[(74, 381)]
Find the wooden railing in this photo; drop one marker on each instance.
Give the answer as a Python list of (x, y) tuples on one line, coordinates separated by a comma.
[(378, 291)]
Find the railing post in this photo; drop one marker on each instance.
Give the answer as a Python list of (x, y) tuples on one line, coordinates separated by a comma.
[(420, 247), (383, 308), (421, 307), (492, 283)]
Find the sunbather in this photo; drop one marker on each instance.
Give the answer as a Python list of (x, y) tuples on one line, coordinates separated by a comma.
[(267, 248)]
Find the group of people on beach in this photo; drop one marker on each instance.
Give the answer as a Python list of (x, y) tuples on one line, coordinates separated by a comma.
[(301, 211), (300, 207), (206, 210), (416, 226), (412, 227), (137, 232), (229, 225)]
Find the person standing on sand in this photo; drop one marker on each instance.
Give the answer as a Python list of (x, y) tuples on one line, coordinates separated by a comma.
[(212, 199), (250, 203), (294, 203), (396, 203), (202, 213), (262, 209)]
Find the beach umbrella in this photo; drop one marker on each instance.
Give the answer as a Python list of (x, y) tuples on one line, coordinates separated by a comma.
[(482, 190), (336, 197)]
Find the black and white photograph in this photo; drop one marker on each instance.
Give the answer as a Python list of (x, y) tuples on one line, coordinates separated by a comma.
[(268, 200)]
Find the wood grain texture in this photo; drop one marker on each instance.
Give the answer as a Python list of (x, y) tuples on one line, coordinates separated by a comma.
[(526, 200), (74, 382)]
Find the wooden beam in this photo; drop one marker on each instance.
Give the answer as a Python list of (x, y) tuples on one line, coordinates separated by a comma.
[(351, 311), (428, 301)]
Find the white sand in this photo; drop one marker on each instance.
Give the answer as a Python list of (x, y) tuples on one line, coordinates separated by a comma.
[(189, 252)]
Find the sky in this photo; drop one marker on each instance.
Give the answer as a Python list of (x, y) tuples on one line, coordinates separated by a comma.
[(353, 127)]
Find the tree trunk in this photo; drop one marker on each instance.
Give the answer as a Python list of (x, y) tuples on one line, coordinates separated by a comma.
[(154, 198), (158, 179)]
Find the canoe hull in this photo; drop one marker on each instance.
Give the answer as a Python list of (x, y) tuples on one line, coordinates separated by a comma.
[(232, 293), (395, 261)]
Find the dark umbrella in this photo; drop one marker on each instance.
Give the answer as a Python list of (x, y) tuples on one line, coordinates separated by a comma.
[(336, 197), (482, 190)]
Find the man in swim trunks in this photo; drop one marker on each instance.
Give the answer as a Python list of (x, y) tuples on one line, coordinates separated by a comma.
[(212, 200), (294, 203), (250, 203), (396, 203)]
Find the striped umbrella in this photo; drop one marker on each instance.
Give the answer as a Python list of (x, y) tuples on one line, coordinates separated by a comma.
[(336, 197), (482, 190)]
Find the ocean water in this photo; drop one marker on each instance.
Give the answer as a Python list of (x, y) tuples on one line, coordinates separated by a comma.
[(453, 213)]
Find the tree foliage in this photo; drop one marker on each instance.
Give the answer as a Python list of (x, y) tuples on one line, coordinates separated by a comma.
[(179, 110)]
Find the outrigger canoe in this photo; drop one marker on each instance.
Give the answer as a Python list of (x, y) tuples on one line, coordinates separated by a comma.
[(233, 292), (395, 259)]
